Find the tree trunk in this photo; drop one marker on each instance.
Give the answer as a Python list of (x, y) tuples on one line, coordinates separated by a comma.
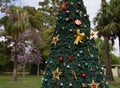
[(1, 70), (38, 69), (14, 78), (109, 73), (23, 73)]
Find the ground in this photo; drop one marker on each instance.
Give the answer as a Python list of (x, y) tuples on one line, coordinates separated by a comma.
[(34, 82)]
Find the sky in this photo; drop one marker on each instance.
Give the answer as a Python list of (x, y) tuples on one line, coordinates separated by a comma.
[(93, 7)]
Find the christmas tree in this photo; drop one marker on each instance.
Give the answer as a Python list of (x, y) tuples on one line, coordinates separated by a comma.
[(73, 59)]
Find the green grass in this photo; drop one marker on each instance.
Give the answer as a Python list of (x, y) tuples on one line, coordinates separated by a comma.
[(115, 84), (35, 82), (28, 82)]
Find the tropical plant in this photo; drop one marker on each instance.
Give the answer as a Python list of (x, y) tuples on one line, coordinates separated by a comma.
[(103, 21), (15, 22)]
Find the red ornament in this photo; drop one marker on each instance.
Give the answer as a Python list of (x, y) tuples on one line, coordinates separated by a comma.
[(61, 59), (70, 58), (54, 81), (67, 12), (79, 3), (47, 66), (83, 75)]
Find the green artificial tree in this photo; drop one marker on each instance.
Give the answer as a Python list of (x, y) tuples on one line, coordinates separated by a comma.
[(73, 59)]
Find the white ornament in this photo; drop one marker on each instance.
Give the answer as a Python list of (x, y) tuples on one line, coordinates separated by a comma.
[(68, 66), (61, 84), (78, 55), (70, 84)]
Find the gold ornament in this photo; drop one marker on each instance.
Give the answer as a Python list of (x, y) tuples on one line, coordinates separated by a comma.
[(79, 37), (83, 85), (93, 84), (56, 74), (80, 13), (89, 51), (74, 74), (55, 40)]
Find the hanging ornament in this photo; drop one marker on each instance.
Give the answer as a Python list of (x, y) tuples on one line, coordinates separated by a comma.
[(55, 40), (86, 64), (63, 6), (78, 54), (51, 61), (67, 12), (56, 74), (77, 11), (67, 19), (47, 66), (64, 64), (80, 13), (79, 37), (93, 34), (70, 58), (71, 30), (81, 51), (78, 22), (74, 74), (45, 80), (85, 26), (83, 85), (60, 18), (89, 52), (83, 75), (79, 65), (54, 81), (92, 55), (61, 84), (93, 84), (79, 3), (61, 59), (71, 3), (68, 66), (70, 85)]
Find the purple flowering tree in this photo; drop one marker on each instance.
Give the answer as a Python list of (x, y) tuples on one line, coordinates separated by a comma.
[(28, 50)]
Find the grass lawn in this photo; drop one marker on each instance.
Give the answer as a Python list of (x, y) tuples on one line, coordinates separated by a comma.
[(28, 82), (34, 82)]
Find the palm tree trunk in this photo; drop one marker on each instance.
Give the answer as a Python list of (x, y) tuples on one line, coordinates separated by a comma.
[(14, 77), (109, 73), (38, 69)]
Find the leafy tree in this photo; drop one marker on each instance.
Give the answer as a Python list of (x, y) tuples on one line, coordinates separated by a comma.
[(4, 54), (15, 23), (49, 8), (100, 46), (103, 20), (4, 5)]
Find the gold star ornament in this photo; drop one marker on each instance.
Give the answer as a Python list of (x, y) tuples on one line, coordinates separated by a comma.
[(93, 84), (79, 37), (55, 40), (56, 74)]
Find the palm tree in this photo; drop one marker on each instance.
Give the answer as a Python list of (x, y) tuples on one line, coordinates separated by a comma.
[(115, 14), (15, 22), (105, 26)]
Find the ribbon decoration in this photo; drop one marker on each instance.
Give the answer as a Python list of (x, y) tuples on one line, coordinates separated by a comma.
[(79, 37), (74, 74)]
